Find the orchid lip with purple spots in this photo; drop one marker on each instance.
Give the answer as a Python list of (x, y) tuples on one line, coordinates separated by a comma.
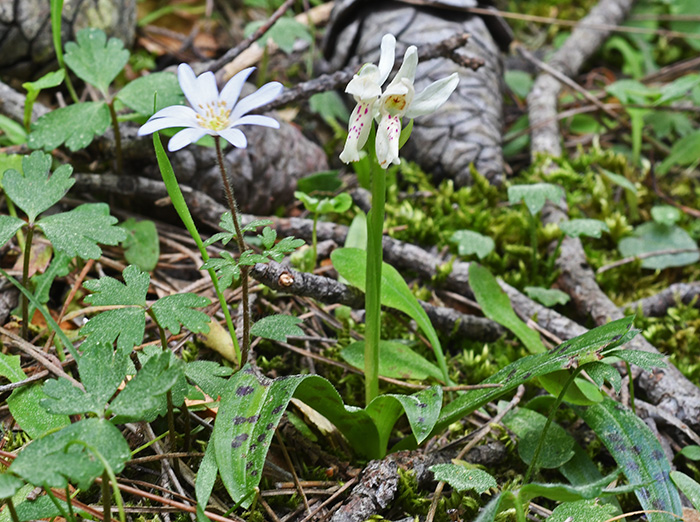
[(213, 112)]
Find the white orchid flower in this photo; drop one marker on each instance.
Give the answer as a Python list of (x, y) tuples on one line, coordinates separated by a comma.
[(366, 88), (213, 113)]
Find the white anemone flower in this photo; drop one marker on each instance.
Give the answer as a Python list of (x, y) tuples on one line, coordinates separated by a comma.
[(366, 88), (213, 112)]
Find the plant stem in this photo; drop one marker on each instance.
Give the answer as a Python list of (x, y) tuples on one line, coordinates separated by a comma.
[(314, 241), (117, 137), (178, 200), (25, 280), (233, 207), (169, 394), (56, 12), (69, 502), (533, 245), (11, 507), (631, 387), (106, 498), (373, 283), (550, 418)]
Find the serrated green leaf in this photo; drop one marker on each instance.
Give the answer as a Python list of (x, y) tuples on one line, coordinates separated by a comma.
[(143, 394), (351, 264), (277, 327), (639, 454), (8, 227), (9, 485), (54, 459), (396, 360), (496, 306), (268, 237), (141, 246), (282, 248), (535, 195), (250, 258), (126, 325), (94, 59), (172, 311), (226, 268), (74, 126), (254, 224), (139, 94), (33, 190), (101, 372), (469, 242), (528, 425), (583, 227), (688, 486), (209, 376), (547, 296), (78, 231), (462, 478)]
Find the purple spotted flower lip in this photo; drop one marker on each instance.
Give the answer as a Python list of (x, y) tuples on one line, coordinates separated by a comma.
[(213, 112), (387, 108)]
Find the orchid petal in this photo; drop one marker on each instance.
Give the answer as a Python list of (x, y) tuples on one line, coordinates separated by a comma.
[(408, 67), (364, 85), (184, 138), (358, 132), (387, 144), (433, 96), (235, 137), (262, 96), (191, 88), (386, 58), (255, 119), (165, 123), (232, 89)]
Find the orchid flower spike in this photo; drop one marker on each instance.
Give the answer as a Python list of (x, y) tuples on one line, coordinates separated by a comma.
[(213, 112), (366, 88)]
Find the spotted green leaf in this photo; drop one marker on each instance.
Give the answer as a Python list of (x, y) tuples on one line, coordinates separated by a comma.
[(688, 486), (94, 59), (34, 190), (74, 126)]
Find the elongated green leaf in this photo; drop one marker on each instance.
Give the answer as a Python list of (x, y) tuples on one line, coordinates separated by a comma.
[(586, 348), (94, 59), (639, 455), (33, 190), (496, 306), (396, 360), (252, 406), (172, 311), (580, 392), (462, 478), (588, 510), (535, 195), (75, 126), (55, 458), (351, 263), (78, 232), (688, 486), (566, 493), (528, 425)]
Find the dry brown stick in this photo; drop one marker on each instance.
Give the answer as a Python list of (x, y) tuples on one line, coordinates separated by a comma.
[(287, 459), (330, 499), (658, 304), (646, 255), (483, 432)]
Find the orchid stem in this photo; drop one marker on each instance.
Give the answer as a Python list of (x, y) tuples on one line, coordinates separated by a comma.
[(233, 206), (373, 284)]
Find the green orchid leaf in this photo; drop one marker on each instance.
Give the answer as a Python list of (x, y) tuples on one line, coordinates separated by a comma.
[(547, 296), (172, 311), (126, 325), (691, 452), (601, 372), (24, 402), (101, 372), (226, 268), (683, 153), (143, 396), (327, 181), (639, 454), (580, 392), (688, 486), (496, 306), (77, 232), (33, 190), (396, 360), (139, 94), (529, 425), (208, 376), (62, 459), (584, 227), (277, 327), (8, 227), (535, 195), (647, 361), (141, 246), (339, 204), (567, 493), (94, 59), (351, 264), (654, 237), (462, 478), (310, 203), (589, 347), (469, 242), (74, 126)]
